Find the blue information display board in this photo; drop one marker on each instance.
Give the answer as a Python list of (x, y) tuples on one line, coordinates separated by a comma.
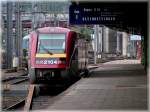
[(95, 13), (108, 13)]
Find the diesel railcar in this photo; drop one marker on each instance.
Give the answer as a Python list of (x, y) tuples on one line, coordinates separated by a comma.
[(56, 53)]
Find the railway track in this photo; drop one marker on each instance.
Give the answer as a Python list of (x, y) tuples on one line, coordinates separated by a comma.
[(15, 80), (33, 99), (13, 99), (30, 99), (16, 105), (41, 100), (13, 93)]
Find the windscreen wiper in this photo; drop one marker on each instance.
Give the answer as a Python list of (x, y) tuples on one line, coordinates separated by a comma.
[(47, 50)]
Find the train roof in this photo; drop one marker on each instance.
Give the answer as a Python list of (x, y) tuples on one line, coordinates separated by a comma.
[(53, 29)]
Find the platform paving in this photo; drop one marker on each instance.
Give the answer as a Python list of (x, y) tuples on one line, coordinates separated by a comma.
[(111, 86)]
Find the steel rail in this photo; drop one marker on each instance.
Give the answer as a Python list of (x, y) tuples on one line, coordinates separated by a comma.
[(16, 105)]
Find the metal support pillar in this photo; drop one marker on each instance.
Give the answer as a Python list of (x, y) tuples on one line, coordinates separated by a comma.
[(118, 42), (95, 43), (124, 44), (55, 15), (100, 41), (34, 20), (9, 35), (105, 41), (18, 39), (37, 15)]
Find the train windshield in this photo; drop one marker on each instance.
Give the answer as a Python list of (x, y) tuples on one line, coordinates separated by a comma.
[(51, 43)]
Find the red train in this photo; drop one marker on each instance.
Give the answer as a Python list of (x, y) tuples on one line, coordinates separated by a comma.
[(57, 53)]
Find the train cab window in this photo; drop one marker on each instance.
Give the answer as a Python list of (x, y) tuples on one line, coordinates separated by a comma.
[(52, 43)]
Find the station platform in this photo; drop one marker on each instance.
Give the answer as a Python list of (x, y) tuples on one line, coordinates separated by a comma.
[(118, 85)]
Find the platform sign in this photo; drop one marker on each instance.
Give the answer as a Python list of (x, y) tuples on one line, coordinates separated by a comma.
[(95, 13), (135, 37)]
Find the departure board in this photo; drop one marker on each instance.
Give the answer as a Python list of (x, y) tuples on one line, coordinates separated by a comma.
[(108, 13)]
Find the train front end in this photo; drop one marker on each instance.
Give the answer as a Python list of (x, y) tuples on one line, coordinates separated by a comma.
[(48, 54)]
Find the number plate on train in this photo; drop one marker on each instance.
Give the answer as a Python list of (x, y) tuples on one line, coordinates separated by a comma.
[(50, 61)]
